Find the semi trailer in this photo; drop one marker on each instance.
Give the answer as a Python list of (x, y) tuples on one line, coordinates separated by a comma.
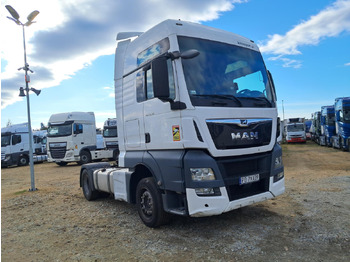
[(197, 125)]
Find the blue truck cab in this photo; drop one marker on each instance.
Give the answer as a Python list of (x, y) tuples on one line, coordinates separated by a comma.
[(342, 123), (327, 125)]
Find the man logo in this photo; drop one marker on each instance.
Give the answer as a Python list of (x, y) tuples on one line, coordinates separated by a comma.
[(245, 136)]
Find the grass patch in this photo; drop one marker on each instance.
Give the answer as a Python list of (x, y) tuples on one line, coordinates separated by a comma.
[(20, 192)]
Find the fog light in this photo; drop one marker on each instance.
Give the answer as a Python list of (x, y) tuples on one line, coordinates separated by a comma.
[(205, 191), (278, 177)]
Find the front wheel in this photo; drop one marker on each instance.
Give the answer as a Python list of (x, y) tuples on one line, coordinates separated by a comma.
[(85, 158), (149, 203)]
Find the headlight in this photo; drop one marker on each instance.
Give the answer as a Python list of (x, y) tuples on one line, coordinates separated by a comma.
[(69, 154), (202, 174), (278, 162)]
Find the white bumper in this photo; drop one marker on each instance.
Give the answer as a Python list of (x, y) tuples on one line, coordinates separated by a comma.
[(199, 206)]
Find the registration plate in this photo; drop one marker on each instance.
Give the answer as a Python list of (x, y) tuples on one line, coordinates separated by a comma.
[(249, 179)]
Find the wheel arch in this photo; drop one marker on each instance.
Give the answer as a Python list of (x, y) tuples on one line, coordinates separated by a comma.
[(141, 171)]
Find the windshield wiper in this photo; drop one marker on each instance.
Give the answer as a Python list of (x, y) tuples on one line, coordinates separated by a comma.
[(228, 97), (262, 98)]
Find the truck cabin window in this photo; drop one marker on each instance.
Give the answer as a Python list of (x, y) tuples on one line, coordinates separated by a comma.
[(59, 130), (144, 83), (110, 132), (225, 75), (5, 140)]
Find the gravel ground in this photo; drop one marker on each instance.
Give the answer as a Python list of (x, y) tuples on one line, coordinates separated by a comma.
[(310, 222)]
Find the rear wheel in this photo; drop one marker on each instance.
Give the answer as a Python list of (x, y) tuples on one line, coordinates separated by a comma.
[(88, 191), (149, 203), (23, 161)]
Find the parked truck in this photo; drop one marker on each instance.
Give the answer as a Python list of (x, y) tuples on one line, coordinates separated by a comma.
[(327, 122), (197, 122), (295, 130), (342, 123), (15, 146), (315, 129), (110, 135), (71, 137)]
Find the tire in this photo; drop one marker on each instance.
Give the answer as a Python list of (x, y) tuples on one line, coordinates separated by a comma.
[(149, 203), (87, 186), (85, 157), (62, 163), (23, 161)]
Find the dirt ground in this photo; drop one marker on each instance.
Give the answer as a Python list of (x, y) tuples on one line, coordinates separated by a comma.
[(310, 222)]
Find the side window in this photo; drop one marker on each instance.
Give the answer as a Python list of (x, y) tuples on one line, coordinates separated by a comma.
[(77, 129), (144, 84), (16, 139), (149, 84)]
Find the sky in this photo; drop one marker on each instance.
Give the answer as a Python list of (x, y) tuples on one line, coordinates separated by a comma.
[(70, 48)]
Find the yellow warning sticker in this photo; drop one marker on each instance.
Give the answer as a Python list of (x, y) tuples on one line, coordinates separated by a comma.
[(176, 133)]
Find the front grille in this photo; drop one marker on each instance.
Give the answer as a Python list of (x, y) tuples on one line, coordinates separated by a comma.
[(58, 152), (2, 155), (240, 133), (233, 169)]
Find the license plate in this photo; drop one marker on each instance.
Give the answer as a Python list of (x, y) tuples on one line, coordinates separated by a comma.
[(249, 179)]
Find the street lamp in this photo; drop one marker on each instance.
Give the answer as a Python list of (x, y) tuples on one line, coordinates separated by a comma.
[(30, 18)]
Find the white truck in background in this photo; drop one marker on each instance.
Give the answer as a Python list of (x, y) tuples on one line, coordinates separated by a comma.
[(110, 135), (15, 146), (295, 130), (71, 137), (197, 125)]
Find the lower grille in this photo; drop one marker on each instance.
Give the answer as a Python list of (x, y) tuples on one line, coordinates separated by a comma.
[(233, 169), (58, 152)]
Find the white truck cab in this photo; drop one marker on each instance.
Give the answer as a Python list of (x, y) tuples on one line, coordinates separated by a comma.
[(71, 137), (110, 134), (197, 124)]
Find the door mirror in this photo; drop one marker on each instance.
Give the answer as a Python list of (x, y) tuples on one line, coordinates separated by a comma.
[(272, 84), (160, 78)]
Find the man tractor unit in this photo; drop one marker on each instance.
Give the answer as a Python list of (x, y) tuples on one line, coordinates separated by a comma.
[(197, 125)]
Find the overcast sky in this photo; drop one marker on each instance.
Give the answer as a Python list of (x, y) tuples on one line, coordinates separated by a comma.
[(71, 47)]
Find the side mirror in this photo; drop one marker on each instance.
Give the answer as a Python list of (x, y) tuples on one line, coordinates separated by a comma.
[(160, 78), (272, 84)]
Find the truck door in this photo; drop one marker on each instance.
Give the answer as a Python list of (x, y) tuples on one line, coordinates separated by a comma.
[(162, 124)]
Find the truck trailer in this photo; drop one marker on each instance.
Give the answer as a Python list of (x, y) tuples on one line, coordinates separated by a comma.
[(342, 123), (327, 122), (71, 137), (197, 125)]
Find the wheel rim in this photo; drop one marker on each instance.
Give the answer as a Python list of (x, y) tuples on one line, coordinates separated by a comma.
[(23, 161), (147, 203)]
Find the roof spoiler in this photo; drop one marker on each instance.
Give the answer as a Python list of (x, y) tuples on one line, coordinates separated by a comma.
[(125, 35)]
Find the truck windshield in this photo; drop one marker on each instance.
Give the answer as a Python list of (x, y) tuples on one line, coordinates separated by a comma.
[(346, 114), (330, 119), (225, 75), (5, 140), (295, 128), (110, 132), (59, 130)]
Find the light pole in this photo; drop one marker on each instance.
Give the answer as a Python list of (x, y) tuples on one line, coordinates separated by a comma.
[(15, 18)]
